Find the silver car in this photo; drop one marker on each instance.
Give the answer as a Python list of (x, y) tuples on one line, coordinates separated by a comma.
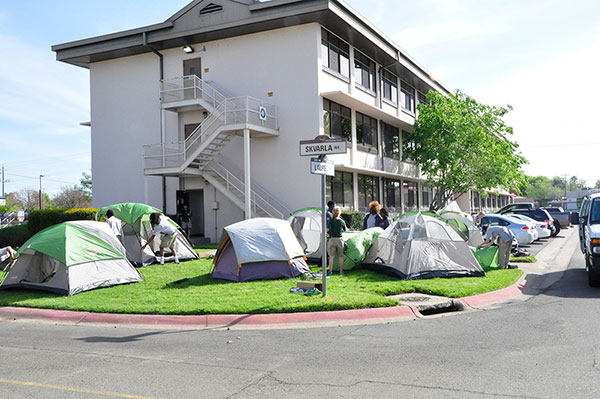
[(523, 231)]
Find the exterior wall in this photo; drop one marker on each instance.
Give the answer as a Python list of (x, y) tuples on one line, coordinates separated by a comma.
[(125, 115)]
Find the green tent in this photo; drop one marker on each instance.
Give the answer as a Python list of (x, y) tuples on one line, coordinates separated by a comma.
[(358, 243), (71, 257), (486, 256), (137, 230)]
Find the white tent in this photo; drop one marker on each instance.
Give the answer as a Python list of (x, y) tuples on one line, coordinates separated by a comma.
[(306, 225), (421, 246), (464, 226)]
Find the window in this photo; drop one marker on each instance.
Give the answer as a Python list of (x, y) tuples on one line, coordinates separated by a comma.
[(366, 131), (335, 53), (336, 120), (391, 194), (364, 71), (368, 190), (421, 98), (390, 87), (427, 195), (595, 212), (407, 96), (492, 221), (391, 141), (410, 194), (339, 189), (407, 143), (476, 201), (436, 231)]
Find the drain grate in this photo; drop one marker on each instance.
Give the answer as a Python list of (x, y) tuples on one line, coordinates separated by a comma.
[(447, 307)]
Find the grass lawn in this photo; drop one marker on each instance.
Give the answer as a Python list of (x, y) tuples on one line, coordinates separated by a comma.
[(202, 295), (523, 259)]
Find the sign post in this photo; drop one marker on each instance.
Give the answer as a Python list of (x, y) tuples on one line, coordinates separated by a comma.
[(322, 146)]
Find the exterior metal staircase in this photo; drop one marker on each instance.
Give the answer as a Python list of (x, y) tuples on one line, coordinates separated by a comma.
[(195, 156)]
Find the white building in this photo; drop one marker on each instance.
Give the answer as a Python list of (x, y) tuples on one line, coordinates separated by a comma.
[(176, 110)]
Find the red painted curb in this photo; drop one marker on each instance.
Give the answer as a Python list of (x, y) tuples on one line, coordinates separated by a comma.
[(493, 297)]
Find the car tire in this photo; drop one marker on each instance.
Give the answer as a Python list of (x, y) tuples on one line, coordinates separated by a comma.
[(556, 229), (593, 276)]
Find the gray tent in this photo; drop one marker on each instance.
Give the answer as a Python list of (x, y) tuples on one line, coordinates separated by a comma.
[(421, 246), (259, 249), (72, 257), (306, 225)]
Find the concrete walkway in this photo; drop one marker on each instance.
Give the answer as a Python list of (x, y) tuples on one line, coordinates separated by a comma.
[(552, 262)]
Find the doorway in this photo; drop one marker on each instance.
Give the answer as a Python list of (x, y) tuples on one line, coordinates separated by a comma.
[(190, 68), (194, 199), (189, 129)]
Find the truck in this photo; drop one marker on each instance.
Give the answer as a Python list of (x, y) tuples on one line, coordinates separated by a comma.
[(560, 216), (588, 219)]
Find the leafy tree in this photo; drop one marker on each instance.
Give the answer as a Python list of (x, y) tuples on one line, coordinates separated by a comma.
[(543, 189), (461, 144), (576, 184), (72, 197), (26, 199), (597, 185), (86, 182)]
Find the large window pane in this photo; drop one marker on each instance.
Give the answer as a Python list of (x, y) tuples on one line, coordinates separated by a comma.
[(390, 87), (407, 96), (391, 195), (391, 141), (336, 120), (335, 53), (410, 196), (368, 190), (339, 189), (364, 71), (366, 131)]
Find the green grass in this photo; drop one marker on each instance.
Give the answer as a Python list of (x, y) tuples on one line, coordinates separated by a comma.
[(206, 246), (202, 295), (523, 259)]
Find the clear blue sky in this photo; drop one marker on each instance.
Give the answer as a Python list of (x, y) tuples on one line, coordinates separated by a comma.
[(539, 56)]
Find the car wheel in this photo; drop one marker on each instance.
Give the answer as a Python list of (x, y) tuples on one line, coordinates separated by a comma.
[(593, 276), (556, 229)]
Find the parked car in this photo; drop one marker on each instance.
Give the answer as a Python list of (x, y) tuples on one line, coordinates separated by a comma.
[(517, 205), (523, 231), (541, 215), (560, 216), (541, 227), (588, 219)]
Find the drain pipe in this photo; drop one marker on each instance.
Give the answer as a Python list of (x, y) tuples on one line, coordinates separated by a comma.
[(162, 76)]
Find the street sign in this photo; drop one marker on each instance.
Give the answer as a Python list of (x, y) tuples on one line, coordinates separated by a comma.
[(322, 167), (322, 145), (262, 113)]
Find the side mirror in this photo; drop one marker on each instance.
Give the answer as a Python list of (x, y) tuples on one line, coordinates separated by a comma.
[(574, 218)]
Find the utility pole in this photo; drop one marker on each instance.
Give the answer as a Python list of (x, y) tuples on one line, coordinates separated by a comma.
[(41, 191), (566, 183), (3, 180)]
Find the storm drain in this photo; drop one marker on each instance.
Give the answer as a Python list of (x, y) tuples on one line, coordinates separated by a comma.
[(430, 305)]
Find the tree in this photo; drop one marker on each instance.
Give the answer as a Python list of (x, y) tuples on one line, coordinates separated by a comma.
[(26, 199), (86, 182), (575, 184), (544, 189), (597, 185), (72, 197), (461, 144)]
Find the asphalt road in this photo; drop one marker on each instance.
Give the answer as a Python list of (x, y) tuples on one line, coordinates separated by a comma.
[(544, 346)]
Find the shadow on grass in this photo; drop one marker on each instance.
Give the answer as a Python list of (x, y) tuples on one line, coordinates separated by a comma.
[(199, 281)]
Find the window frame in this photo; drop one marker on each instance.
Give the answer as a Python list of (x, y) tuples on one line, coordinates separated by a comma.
[(395, 187), (334, 44), (362, 59), (343, 179), (330, 114), (386, 79), (395, 152), (406, 190), (368, 186), (407, 97), (361, 144)]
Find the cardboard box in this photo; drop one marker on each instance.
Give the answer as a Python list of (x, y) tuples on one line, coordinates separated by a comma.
[(310, 284)]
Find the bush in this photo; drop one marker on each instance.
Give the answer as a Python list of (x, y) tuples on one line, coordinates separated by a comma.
[(38, 220), (353, 219), (15, 236)]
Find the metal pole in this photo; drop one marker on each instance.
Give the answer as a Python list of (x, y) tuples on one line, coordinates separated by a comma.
[(3, 180), (247, 178), (324, 236)]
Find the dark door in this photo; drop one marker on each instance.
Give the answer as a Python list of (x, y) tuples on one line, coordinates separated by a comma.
[(189, 129), (191, 68), (194, 199)]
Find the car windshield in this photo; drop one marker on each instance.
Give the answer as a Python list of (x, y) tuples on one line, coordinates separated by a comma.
[(595, 212)]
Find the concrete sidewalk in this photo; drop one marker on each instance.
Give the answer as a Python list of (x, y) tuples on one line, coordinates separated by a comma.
[(552, 262)]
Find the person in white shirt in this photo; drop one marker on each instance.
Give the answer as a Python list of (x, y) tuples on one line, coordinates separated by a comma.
[(115, 224), (161, 225), (504, 237)]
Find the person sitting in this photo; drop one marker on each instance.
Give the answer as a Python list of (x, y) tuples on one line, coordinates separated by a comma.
[(115, 224), (386, 220), (372, 219), (161, 225), (7, 257), (504, 237)]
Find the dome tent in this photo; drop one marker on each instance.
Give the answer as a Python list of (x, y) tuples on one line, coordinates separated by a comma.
[(137, 230), (464, 226), (71, 257), (422, 246), (306, 225), (259, 249)]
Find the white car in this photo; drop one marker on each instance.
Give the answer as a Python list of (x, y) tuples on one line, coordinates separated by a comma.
[(541, 227), (524, 232)]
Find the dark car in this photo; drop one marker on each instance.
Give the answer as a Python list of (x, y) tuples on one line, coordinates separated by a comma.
[(541, 215)]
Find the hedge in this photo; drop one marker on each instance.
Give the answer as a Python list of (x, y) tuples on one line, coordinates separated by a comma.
[(353, 219), (38, 220), (14, 236)]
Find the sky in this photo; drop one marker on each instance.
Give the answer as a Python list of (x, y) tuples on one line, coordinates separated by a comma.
[(541, 57)]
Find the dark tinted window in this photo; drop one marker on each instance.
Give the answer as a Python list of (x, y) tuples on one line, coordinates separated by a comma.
[(595, 212)]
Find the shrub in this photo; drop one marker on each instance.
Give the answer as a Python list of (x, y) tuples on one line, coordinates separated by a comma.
[(353, 219), (15, 236), (38, 220)]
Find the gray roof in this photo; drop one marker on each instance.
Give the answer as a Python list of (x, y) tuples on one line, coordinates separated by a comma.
[(239, 17)]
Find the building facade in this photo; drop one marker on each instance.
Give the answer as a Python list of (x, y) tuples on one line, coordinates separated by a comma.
[(208, 108)]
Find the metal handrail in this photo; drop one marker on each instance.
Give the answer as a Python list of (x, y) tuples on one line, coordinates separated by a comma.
[(256, 199), (176, 89)]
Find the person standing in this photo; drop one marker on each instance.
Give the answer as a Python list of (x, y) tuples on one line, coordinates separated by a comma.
[(116, 224), (372, 219), (504, 237), (335, 244), (385, 217), (185, 215), (330, 206), (161, 225)]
